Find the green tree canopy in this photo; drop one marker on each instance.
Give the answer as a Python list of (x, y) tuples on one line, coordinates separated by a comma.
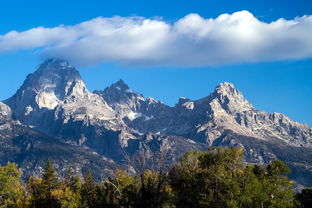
[(11, 189)]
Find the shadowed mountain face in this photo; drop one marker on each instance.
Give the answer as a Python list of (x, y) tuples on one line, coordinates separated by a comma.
[(55, 101), (30, 149)]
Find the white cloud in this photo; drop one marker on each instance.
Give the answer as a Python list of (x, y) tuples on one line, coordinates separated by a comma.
[(190, 41)]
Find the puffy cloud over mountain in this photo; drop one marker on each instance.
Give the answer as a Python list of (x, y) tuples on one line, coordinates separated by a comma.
[(190, 41)]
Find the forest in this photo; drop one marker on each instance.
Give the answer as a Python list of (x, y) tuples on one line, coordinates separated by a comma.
[(217, 178)]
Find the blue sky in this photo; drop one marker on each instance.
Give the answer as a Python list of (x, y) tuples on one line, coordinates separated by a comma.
[(279, 85)]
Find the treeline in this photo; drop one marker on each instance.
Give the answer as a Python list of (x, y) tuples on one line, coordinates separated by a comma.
[(217, 179)]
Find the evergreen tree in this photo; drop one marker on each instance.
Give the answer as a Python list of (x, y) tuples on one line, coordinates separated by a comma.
[(49, 177), (72, 181), (68, 176), (305, 198), (88, 191), (42, 189)]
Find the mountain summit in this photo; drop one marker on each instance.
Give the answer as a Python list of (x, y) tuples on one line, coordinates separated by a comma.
[(118, 121), (122, 99), (230, 98), (47, 87), (56, 91)]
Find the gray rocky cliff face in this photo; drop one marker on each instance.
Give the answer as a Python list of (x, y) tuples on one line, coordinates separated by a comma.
[(5, 112), (206, 119), (56, 85), (44, 89), (30, 149), (230, 99), (54, 96), (226, 118), (122, 99)]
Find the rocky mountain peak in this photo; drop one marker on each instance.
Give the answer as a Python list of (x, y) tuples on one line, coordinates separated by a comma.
[(57, 68), (120, 85), (185, 103), (119, 92), (150, 100), (55, 91), (51, 83), (183, 100), (120, 88), (230, 99), (226, 89), (56, 62), (54, 100), (121, 98)]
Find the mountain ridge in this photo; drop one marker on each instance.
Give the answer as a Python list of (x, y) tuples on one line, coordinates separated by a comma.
[(117, 120)]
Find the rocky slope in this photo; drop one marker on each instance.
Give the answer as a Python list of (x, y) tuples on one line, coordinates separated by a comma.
[(55, 101), (206, 119), (118, 121), (226, 118), (56, 90), (30, 149)]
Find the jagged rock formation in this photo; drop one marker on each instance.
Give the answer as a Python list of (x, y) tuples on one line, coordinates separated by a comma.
[(118, 120), (5, 112), (56, 90), (30, 149), (122, 99)]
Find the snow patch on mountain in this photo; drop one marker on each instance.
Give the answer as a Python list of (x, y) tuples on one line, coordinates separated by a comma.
[(5, 112), (132, 115), (46, 100)]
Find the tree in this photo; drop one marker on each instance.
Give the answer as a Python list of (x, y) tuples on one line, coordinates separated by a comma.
[(120, 190), (36, 189), (207, 179), (150, 183), (72, 181), (65, 198), (279, 189), (67, 192), (183, 180), (305, 198), (154, 191), (41, 189), (88, 191), (219, 178), (49, 177), (11, 190)]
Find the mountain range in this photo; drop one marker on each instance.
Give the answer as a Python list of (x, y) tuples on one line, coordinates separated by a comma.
[(53, 115)]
